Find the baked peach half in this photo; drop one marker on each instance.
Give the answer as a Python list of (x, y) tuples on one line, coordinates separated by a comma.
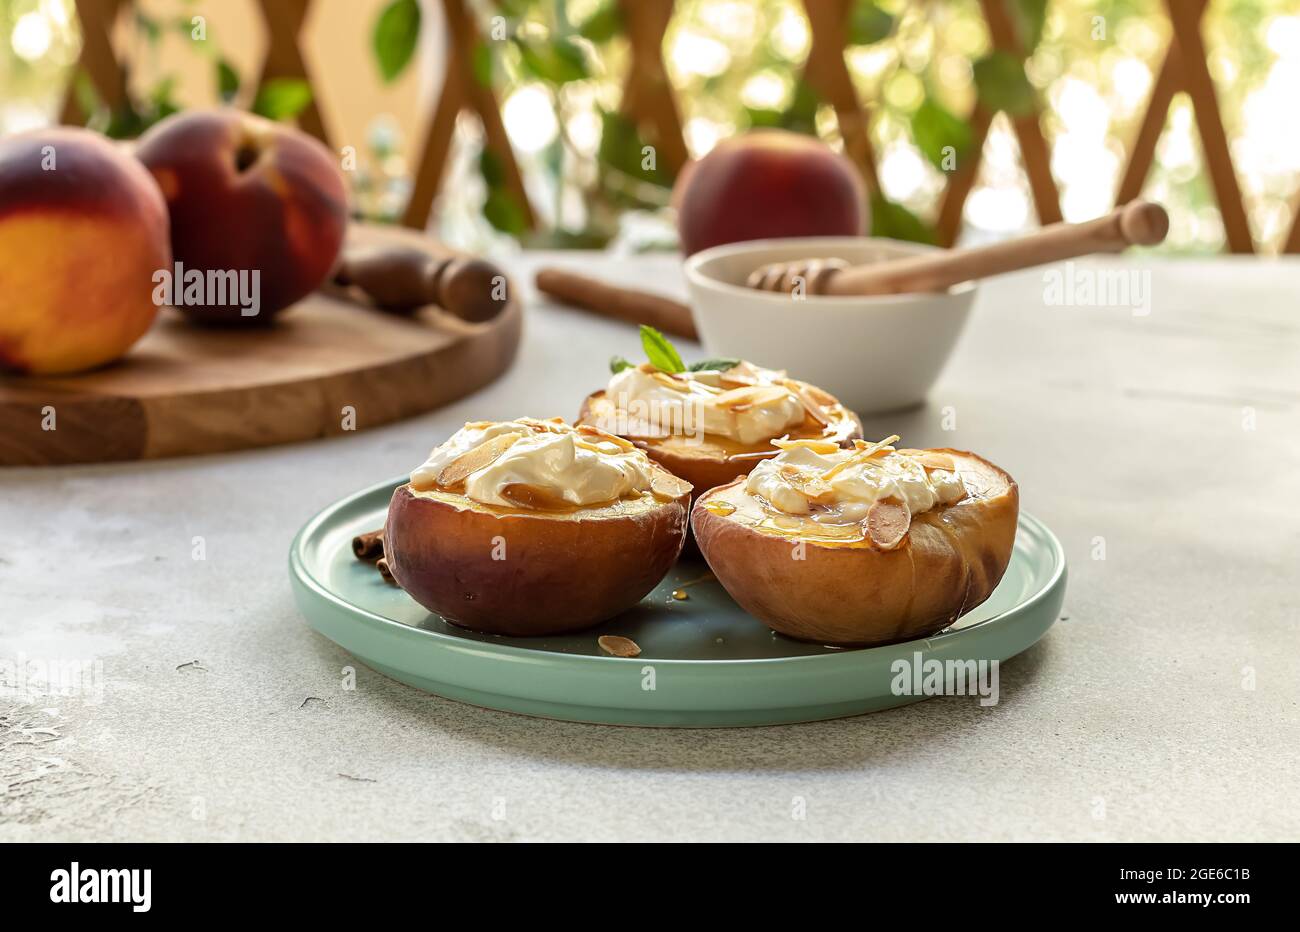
[(862, 546), (714, 422), (532, 527)]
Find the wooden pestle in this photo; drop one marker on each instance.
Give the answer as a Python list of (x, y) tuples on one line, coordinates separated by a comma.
[(1138, 223), (403, 278)]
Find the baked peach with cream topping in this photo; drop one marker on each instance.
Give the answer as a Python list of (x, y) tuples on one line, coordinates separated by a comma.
[(860, 546), (715, 420), (531, 527)]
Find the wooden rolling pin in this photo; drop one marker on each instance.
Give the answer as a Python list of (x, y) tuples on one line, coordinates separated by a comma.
[(1138, 223), (629, 304), (403, 278)]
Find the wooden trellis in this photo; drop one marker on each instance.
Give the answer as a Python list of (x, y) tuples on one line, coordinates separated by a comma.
[(648, 97), (828, 76), (98, 61), (461, 90), (1034, 150), (649, 101), (284, 59), (1184, 68)]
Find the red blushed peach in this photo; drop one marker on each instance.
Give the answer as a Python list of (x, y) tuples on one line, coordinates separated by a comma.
[(766, 184), (530, 573), (848, 591), (83, 229), (247, 194)]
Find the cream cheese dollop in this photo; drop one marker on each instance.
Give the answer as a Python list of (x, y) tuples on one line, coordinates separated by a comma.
[(549, 456), (803, 480), (699, 402)]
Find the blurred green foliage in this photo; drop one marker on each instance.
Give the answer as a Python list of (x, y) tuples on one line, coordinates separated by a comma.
[(919, 67), (276, 98), (552, 43)]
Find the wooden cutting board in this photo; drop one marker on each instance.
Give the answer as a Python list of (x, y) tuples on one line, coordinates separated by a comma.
[(326, 366)]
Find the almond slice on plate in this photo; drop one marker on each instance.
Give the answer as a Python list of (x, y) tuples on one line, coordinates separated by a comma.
[(887, 523), (471, 461), (617, 646)]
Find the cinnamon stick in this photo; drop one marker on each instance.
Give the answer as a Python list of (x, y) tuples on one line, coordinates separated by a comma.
[(629, 304), (385, 572), (369, 546)]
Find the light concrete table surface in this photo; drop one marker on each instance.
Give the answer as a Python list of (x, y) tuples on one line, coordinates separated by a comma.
[(1162, 449)]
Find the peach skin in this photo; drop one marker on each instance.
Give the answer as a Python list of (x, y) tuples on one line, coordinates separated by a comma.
[(768, 184), (83, 229), (246, 195)]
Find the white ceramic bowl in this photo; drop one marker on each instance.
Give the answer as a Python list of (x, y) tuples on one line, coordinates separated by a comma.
[(874, 354)]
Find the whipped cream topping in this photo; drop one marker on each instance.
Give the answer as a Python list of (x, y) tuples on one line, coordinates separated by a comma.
[(548, 459), (840, 486), (711, 401)]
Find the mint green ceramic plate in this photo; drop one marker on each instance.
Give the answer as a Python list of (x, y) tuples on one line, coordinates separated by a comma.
[(704, 662)]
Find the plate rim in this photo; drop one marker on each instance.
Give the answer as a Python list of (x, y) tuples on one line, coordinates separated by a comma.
[(300, 574)]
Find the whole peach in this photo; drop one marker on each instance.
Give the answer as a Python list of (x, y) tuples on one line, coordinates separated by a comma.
[(768, 183), (247, 195), (83, 230)]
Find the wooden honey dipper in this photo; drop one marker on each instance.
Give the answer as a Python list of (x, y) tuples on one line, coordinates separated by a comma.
[(402, 279), (1138, 223)]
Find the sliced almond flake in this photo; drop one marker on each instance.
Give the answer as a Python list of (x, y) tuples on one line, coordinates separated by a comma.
[(752, 455), (531, 496), (740, 375), (551, 425), (591, 430), (863, 452), (810, 404), (703, 388), (821, 396), (667, 486), (471, 461), (824, 447), (932, 460), (668, 381), (617, 646), (887, 523), (750, 395)]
